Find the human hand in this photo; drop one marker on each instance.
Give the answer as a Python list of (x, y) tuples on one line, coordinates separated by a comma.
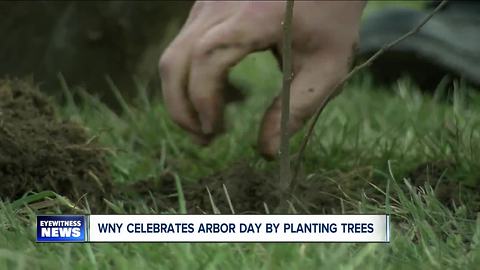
[(218, 34)]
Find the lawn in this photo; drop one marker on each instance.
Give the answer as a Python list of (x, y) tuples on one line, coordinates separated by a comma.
[(376, 149), (386, 136)]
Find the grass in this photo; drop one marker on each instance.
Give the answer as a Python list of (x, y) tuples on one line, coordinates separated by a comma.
[(388, 130), (378, 134)]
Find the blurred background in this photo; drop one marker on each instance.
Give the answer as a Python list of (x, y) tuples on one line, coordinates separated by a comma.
[(83, 42)]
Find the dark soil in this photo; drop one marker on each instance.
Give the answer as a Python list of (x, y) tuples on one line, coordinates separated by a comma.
[(448, 187), (39, 152), (254, 191)]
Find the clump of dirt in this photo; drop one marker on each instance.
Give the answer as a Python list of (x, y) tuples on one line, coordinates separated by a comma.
[(39, 152)]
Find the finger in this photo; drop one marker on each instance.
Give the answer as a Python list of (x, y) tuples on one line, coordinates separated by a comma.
[(221, 48), (173, 74), (314, 81), (174, 70)]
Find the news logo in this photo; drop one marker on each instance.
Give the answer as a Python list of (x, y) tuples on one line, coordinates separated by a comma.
[(61, 228)]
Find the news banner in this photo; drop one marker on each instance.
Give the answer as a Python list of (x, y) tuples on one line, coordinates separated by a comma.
[(214, 228)]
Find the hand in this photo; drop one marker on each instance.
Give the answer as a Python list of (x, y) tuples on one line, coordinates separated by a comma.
[(218, 34)]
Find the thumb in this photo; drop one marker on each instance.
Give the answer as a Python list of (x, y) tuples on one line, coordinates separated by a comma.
[(311, 87)]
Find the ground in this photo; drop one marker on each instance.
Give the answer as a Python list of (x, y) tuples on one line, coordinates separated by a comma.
[(376, 150)]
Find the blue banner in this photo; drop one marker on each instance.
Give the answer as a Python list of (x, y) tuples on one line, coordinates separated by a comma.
[(61, 228)]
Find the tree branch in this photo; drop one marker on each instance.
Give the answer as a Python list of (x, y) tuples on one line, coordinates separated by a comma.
[(285, 173)]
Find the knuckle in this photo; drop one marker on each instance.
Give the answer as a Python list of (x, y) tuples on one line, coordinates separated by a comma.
[(202, 50), (163, 65), (166, 62), (199, 100)]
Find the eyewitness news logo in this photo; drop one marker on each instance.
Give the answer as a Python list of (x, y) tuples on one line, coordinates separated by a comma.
[(61, 228)]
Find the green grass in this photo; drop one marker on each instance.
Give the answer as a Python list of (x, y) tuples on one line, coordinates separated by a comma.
[(389, 131)]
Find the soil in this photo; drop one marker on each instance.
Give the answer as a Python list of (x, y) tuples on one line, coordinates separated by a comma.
[(252, 191), (447, 187), (40, 152)]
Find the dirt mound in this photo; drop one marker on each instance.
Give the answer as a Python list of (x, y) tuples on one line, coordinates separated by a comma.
[(39, 152)]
